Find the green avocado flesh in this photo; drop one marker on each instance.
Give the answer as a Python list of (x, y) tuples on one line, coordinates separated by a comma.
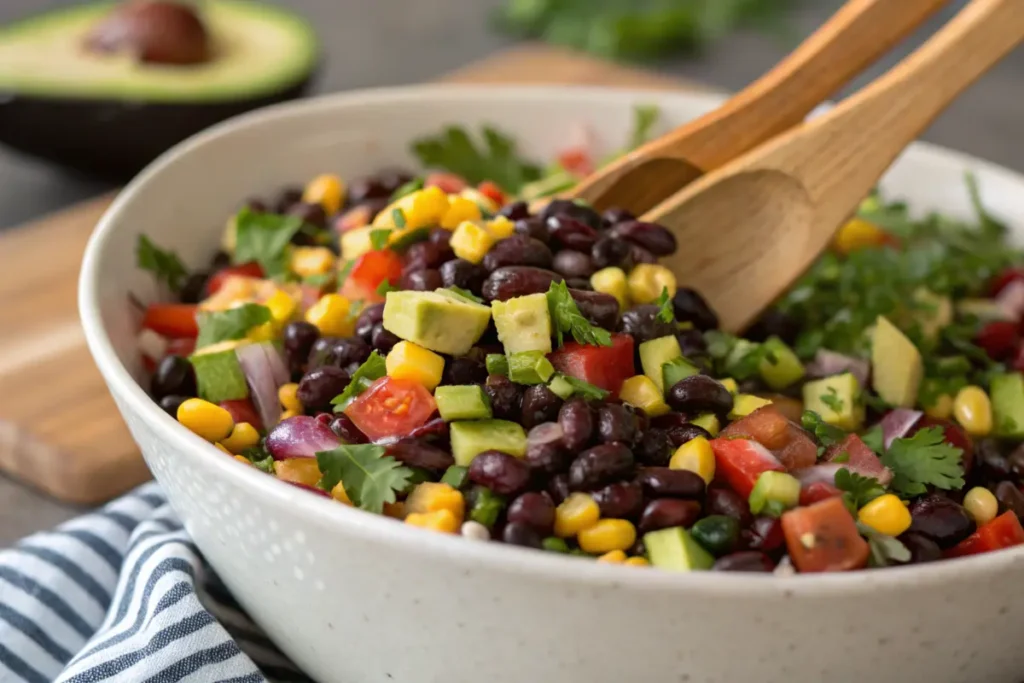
[(462, 402), (674, 550), (470, 439), (258, 50), (219, 376)]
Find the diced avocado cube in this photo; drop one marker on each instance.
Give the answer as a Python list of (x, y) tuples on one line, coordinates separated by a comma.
[(219, 376), (529, 367), (675, 370), (745, 404), (462, 402), (896, 366), (774, 493), (469, 439), (561, 388), (708, 421), (456, 476), (654, 354), (785, 369), (932, 313), (497, 364), (674, 550), (837, 400), (445, 324), (1007, 392), (524, 323)]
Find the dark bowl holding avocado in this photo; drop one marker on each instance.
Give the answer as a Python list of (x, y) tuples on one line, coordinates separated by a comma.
[(104, 88)]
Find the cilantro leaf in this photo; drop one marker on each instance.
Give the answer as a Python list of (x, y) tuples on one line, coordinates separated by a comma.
[(466, 294), (318, 279), (372, 369), (885, 549), (370, 478), (666, 311), (398, 216), (344, 271), (385, 286), (735, 357), (497, 160), (858, 489), (874, 439), (827, 435), (414, 185), (260, 458), (264, 238), (234, 323), (566, 318), (831, 399), (922, 460), (408, 238), (379, 238), (584, 389), (165, 265)]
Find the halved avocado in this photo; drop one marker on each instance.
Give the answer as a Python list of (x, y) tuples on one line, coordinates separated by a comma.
[(107, 87)]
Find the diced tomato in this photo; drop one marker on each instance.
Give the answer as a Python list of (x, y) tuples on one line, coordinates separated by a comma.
[(391, 407), (1004, 531), (741, 461), (817, 492), (181, 347), (603, 366), (860, 459), (492, 192), (823, 537), (769, 427), (449, 182), (999, 338), (172, 320), (369, 270), (1004, 278), (216, 281), (242, 410), (577, 161), (953, 434)]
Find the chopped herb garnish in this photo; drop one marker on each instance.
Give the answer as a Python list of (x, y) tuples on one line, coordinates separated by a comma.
[(584, 389), (344, 271), (645, 116), (874, 439), (379, 238), (398, 216), (831, 399), (260, 458), (385, 286), (414, 185), (318, 279), (498, 160), (234, 323), (410, 237), (735, 357), (857, 489), (566, 318), (841, 457), (922, 460), (666, 312), (885, 550), (370, 478), (164, 264), (827, 435), (264, 238), (466, 294), (372, 369)]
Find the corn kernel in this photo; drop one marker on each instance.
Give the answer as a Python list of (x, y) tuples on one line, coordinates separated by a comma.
[(287, 414), (697, 456), (973, 410), (981, 504), (339, 494), (243, 436), (356, 242), (607, 535), (395, 510), (638, 562), (745, 404), (244, 460), (577, 512), (407, 360), (326, 190), (471, 242), (647, 280), (431, 496), (429, 206), (500, 227), (480, 199), (460, 209), (261, 333), (288, 395), (641, 392), (730, 384), (298, 471), (886, 514), (858, 233), (438, 520), (205, 419), (223, 449), (282, 306), (613, 557), (310, 261), (332, 315), (612, 281), (942, 409)]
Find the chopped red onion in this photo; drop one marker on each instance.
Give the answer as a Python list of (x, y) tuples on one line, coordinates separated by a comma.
[(1011, 300), (256, 366), (897, 423), (828, 363), (301, 436), (548, 432), (277, 366), (818, 473)]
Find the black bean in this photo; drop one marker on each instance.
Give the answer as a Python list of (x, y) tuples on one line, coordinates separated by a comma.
[(461, 273), (700, 394), (922, 549), (257, 205), (362, 189), (423, 255), (941, 520), (173, 376), (579, 212), (655, 238), (600, 465), (517, 533), (288, 197), (1010, 498), (577, 422), (382, 340), (580, 284), (426, 280), (616, 422), (621, 500), (512, 281), (540, 405), (393, 178), (435, 429), (571, 233), (194, 289), (515, 211), (654, 448), (310, 213), (442, 238), (641, 323), (611, 251), (765, 533), (744, 561), (533, 227), (548, 458), (518, 250), (615, 215), (346, 429), (170, 404), (662, 482), (419, 454), (319, 386), (691, 342), (464, 371), (338, 352), (992, 464), (599, 308), (500, 472), (558, 488), (1015, 461), (573, 264), (506, 397), (669, 512), (691, 307), (367, 320), (221, 259), (641, 255), (723, 501), (678, 430), (774, 323), (298, 340), (534, 510)]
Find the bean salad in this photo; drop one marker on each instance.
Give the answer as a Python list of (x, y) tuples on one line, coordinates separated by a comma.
[(457, 350)]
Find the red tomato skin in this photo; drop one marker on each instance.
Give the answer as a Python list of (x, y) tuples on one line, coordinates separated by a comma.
[(1004, 531), (860, 459), (603, 366), (242, 410), (375, 417), (823, 537), (1005, 278), (216, 281), (739, 462), (449, 182), (773, 430), (817, 492), (369, 270), (577, 161), (999, 338), (175, 321), (492, 192)]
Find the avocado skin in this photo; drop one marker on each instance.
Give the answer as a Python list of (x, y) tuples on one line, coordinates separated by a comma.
[(115, 139)]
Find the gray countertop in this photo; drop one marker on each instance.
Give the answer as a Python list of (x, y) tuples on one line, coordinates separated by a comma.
[(384, 42)]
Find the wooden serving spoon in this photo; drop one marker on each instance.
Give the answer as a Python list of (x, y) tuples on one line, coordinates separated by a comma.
[(747, 230), (857, 35)]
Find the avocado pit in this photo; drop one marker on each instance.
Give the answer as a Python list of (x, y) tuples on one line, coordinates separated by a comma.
[(155, 32)]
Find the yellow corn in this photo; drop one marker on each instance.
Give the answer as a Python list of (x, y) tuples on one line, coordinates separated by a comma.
[(356, 242), (607, 535), (289, 414), (432, 496), (244, 460), (638, 562), (261, 333), (407, 360), (500, 227), (697, 456), (288, 395), (338, 493), (206, 419), (480, 199), (471, 242), (856, 234), (886, 514), (438, 520), (942, 409), (577, 512), (730, 384), (309, 261), (429, 206), (243, 436), (973, 410), (282, 306), (298, 470), (745, 404), (222, 448), (641, 392), (332, 315), (647, 280), (459, 210), (612, 281), (981, 504), (326, 190), (613, 557)]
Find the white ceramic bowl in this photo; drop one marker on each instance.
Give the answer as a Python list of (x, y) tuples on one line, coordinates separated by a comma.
[(357, 598)]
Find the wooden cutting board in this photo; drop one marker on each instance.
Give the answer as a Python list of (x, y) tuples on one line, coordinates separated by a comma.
[(59, 429)]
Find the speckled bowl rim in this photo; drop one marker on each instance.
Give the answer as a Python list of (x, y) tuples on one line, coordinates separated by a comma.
[(537, 565)]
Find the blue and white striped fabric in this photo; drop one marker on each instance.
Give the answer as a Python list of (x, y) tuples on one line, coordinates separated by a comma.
[(123, 594)]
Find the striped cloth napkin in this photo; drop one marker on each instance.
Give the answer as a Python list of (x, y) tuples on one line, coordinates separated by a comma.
[(122, 594)]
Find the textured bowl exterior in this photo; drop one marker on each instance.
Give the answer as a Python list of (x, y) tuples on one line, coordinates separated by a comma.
[(356, 598)]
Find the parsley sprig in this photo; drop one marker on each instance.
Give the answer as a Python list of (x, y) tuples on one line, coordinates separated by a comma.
[(234, 323), (265, 238), (666, 312), (372, 369), (922, 460), (857, 489), (164, 264), (497, 159), (567, 319), (735, 357), (884, 550), (370, 478), (585, 389), (827, 435)]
